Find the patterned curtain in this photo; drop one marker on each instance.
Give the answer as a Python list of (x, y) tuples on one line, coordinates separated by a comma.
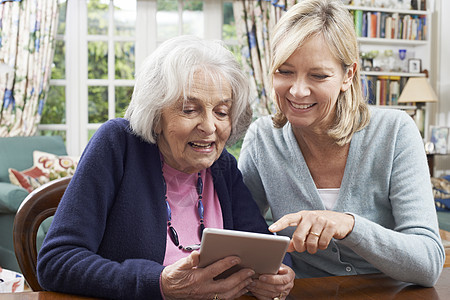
[(27, 33), (254, 22)]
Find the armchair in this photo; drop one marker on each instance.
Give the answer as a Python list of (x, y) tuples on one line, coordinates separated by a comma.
[(17, 153)]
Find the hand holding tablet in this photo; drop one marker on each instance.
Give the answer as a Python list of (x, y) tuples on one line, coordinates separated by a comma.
[(263, 253)]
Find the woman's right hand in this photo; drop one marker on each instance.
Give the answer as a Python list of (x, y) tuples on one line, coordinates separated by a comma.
[(182, 280), (315, 228)]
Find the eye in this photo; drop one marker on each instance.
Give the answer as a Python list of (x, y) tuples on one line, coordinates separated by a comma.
[(222, 111), (222, 114), (320, 76), (284, 72), (188, 111), (189, 108)]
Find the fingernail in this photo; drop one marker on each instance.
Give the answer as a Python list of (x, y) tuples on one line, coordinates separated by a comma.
[(235, 261), (250, 273), (273, 227), (263, 278)]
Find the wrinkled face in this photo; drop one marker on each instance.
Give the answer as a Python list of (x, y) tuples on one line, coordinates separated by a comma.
[(308, 83), (193, 132)]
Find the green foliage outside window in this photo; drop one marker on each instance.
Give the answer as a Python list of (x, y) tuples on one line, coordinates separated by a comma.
[(98, 60), (55, 108), (125, 58), (123, 97), (172, 5), (54, 111), (235, 149), (97, 13), (59, 60), (97, 104)]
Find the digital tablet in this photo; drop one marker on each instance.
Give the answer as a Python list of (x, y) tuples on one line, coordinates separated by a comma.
[(263, 253)]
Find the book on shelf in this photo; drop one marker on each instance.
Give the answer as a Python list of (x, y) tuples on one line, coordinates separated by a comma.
[(358, 19), (414, 5), (395, 26), (383, 22), (364, 24), (390, 25), (383, 90)]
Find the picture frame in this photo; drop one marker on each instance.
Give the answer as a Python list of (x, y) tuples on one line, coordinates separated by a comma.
[(414, 65), (439, 138)]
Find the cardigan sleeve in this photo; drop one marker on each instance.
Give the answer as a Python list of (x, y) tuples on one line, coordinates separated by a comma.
[(412, 250)]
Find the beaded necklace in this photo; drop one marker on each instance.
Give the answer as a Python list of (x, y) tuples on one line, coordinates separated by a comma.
[(172, 232)]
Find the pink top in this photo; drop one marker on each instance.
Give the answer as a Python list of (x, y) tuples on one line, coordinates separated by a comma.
[(182, 196)]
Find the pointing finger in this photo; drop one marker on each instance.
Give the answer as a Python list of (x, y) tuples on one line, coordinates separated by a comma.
[(285, 221)]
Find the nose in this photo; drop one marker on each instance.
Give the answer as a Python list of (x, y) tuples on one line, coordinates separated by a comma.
[(207, 123), (299, 88)]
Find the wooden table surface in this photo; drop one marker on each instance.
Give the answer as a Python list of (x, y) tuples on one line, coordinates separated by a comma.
[(372, 286)]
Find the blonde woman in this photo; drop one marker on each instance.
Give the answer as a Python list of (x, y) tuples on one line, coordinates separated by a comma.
[(350, 184)]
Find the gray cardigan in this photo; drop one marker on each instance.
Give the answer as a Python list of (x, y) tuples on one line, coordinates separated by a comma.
[(386, 186)]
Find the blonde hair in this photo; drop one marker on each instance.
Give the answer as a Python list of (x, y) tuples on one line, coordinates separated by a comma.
[(333, 21), (167, 75)]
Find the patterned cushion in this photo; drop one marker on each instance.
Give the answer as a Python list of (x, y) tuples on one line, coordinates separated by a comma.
[(46, 167), (55, 166), (28, 179)]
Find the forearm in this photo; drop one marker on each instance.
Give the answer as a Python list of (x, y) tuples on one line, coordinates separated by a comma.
[(79, 271), (415, 255)]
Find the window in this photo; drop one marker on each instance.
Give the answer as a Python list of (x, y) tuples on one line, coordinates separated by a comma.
[(54, 112), (98, 46)]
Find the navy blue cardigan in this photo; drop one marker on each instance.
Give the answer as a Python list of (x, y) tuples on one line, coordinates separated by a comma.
[(108, 236)]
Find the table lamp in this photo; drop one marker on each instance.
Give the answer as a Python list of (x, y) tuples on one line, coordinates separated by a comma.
[(418, 90)]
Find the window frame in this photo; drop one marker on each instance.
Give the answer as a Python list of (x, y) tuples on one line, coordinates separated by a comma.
[(76, 80)]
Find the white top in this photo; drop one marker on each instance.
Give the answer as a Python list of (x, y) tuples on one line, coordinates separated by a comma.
[(329, 197)]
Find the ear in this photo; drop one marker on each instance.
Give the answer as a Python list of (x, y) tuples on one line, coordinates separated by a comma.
[(348, 77), (158, 128)]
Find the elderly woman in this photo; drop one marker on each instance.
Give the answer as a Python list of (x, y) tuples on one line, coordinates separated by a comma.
[(148, 184), (349, 183)]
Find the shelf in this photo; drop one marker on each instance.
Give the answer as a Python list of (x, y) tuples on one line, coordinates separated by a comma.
[(402, 107), (390, 10), (399, 74), (372, 25), (383, 41)]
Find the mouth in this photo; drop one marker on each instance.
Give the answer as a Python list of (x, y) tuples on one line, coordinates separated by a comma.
[(198, 145), (301, 106)]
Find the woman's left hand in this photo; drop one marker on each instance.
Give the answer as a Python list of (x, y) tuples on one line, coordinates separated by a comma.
[(268, 287)]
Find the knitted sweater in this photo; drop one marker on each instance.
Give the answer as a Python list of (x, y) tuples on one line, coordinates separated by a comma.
[(108, 236), (386, 186)]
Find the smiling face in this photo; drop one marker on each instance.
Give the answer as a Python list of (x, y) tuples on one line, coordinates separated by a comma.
[(193, 132), (308, 84)]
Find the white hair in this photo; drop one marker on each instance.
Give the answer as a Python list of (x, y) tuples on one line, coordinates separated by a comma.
[(167, 74)]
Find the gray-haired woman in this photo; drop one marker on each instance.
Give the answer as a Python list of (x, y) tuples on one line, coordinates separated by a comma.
[(148, 184)]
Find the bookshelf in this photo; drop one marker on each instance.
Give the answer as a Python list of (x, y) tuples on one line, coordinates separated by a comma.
[(391, 42)]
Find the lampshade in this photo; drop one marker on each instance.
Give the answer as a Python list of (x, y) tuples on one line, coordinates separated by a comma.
[(417, 89)]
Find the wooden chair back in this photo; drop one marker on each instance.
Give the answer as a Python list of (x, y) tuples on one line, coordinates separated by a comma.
[(37, 206)]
